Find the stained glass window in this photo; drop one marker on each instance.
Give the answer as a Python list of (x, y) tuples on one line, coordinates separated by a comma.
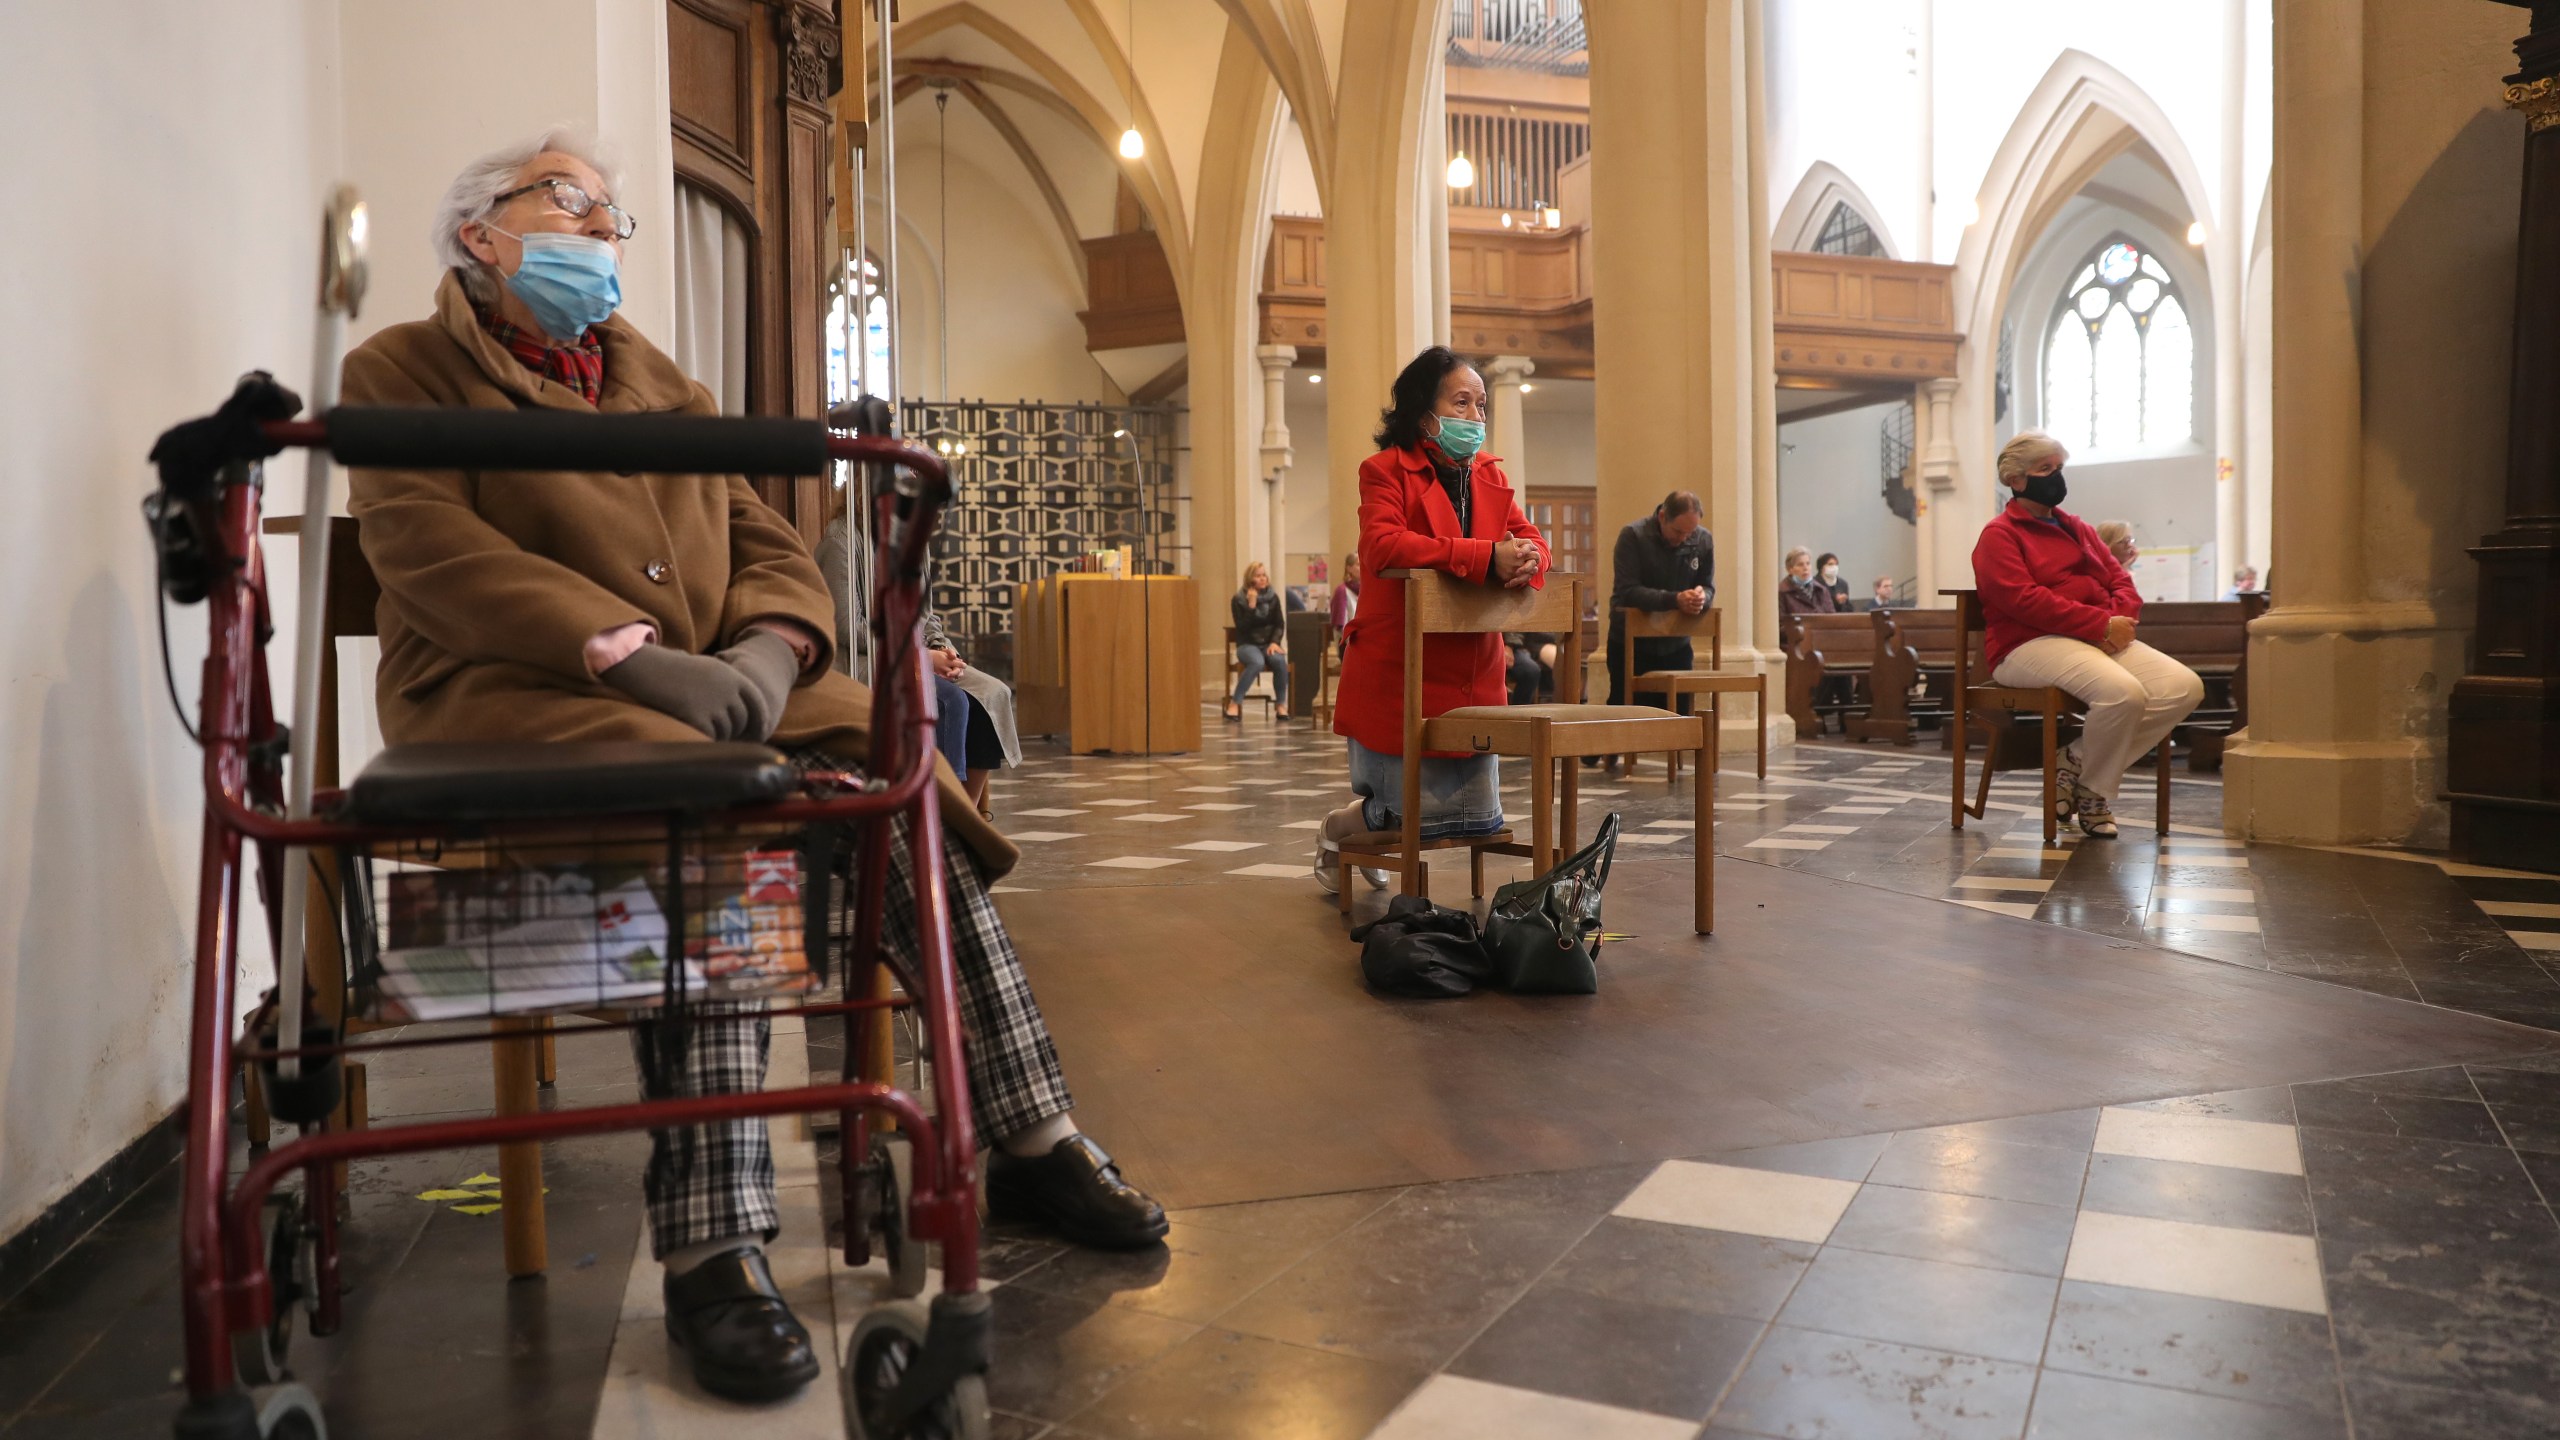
[(2120, 358), (844, 369), (1846, 232)]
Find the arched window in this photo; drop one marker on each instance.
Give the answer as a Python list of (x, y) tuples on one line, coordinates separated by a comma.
[(1846, 232), (2120, 357), (844, 372)]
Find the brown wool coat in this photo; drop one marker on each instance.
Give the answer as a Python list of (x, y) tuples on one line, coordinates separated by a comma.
[(492, 583)]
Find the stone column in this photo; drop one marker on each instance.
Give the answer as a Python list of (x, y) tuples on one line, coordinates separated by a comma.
[(2503, 733), (1276, 454), (2383, 393), (2226, 247), (1939, 469), (1509, 437), (1750, 615)]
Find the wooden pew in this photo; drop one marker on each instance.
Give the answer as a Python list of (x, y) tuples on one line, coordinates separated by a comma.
[(1819, 648), (1913, 676), (2212, 639)]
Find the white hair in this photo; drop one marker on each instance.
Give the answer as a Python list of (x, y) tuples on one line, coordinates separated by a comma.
[(2026, 450), (1796, 553), (473, 197)]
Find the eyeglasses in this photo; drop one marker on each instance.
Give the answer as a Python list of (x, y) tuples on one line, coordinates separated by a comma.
[(575, 203)]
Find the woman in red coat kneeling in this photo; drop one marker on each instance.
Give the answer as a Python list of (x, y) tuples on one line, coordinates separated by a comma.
[(1429, 499)]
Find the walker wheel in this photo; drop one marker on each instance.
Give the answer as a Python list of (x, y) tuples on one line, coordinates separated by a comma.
[(259, 1355), (291, 1413), (880, 1217), (885, 1347)]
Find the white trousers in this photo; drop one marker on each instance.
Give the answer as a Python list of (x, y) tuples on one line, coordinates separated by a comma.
[(2135, 699)]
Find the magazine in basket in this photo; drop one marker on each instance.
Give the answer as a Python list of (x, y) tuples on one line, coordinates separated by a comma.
[(516, 937)]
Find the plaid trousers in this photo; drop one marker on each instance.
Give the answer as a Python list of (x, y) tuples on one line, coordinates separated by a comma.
[(710, 1182)]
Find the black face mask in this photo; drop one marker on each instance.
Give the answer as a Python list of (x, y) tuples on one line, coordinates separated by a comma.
[(2045, 489)]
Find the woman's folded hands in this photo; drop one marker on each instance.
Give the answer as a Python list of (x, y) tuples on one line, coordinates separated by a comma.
[(737, 694)]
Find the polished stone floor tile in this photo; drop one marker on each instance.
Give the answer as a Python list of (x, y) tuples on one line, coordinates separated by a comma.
[(1999, 1314), (2416, 1412), (1745, 1201), (1413, 1283), (1060, 1354), (2211, 1262), (2465, 1317), (1451, 1407), (1712, 1272), (2273, 1105), (1849, 1158), (2203, 1194), (1806, 1383), (2350, 1105), (2084, 1407), (2390, 1189), (2200, 1140), (1219, 1384), (2213, 1347), (1662, 1359), (1961, 1229), (1196, 1275), (2038, 1174)]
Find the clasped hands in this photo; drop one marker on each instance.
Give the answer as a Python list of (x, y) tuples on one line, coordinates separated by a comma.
[(2119, 634), (736, 694), (1516, 563), (1693, 601)]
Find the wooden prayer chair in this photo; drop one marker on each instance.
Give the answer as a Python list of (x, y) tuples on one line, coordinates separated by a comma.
[(1328, 670), (1711, 682), (2006, 702), (1235, 667), (1549, 737)]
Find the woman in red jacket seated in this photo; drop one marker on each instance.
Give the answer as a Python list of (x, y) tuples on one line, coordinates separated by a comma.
[(1429, 499), (2060, 611)]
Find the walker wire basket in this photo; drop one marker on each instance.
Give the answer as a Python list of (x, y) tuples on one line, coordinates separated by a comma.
[(610, 919)]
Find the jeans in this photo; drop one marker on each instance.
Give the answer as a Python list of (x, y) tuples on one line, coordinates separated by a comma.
[(1254, 661), (951, 725), (2135, 699)]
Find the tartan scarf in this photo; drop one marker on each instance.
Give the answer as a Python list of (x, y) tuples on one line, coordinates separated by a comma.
[(579, 366)]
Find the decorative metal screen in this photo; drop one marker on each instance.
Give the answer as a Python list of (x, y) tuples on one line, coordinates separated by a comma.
[(1039, 487)]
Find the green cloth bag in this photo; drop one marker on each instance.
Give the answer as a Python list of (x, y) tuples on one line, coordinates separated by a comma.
[(1544, 934)]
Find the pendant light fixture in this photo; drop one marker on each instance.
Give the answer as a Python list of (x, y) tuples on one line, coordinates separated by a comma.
[(1133, 146), (1462, 171)]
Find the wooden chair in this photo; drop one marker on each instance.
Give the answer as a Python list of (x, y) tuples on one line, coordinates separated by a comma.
[(1822, 649), (1235, 667), (1711, 682), (1328, 670), (1547, 736), (2050, 702)]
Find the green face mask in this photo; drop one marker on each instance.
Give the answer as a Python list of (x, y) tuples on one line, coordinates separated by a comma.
[(1460, 439)]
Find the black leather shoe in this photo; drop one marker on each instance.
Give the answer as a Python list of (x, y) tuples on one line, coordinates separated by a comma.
[(1076, 1190), (726, 1315)]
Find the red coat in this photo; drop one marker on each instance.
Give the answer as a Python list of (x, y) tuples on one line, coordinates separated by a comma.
[(2041, 578), (1407, 523)]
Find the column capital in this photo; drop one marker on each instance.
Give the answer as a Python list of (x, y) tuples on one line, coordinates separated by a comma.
[(1940, 392), (1510, 369), (1275, 358)]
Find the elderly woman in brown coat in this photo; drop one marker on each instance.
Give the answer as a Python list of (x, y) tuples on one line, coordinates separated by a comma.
[(594, 606)]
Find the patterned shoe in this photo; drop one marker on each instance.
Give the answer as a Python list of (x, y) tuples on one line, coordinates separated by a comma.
[(2066, 782), (1328, 867), (2097, 817)]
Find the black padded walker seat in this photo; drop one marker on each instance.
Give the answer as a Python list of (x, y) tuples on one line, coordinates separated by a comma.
[(530, 780)]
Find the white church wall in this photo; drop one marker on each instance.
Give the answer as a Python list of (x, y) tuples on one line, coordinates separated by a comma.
[(187, 153), (1831, 498), (1014, 292), (1822, 50), (1305, 498)]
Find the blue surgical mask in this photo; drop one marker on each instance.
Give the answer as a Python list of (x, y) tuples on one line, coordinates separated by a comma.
[(1460, 439), (569, 282)]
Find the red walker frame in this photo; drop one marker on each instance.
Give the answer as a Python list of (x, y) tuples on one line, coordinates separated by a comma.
[(222, 1252)]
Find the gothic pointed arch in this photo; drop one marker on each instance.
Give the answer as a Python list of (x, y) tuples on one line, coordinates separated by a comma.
[(1816, 205)]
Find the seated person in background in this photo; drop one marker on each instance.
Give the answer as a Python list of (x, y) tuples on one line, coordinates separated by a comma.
[(1666, 561), (1800, 593), (1262, 635), (1428, 501), (1826, 570), (1533, 664), (584, 607), (2058, 610), (1886, 589), (2117, 536), (974, 726), (2244, 581), (1346, 595)]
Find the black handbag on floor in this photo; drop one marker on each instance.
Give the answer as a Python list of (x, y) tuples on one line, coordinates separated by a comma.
[(1544, 934), (1418, 948)]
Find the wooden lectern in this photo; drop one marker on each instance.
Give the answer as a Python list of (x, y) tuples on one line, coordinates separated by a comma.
[(1113, 664)]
